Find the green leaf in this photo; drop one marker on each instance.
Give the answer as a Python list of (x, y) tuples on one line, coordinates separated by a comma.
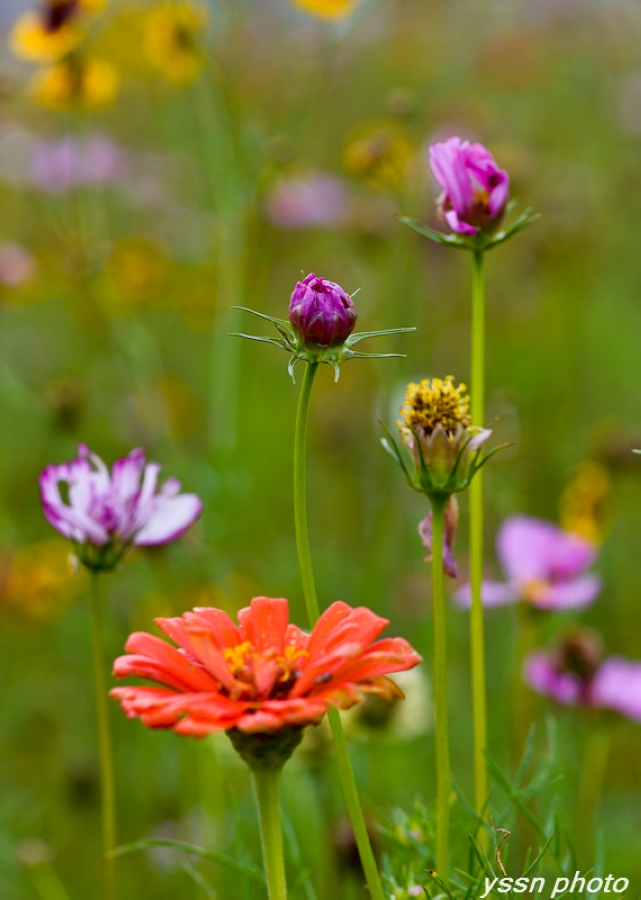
[(515, 797), (438, 881), (526, 759), (438, 236), (524, 220), (540, 856), (481, 855), (200, 880), (221, 858)]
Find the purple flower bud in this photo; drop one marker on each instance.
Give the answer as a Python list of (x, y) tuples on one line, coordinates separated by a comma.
[(321, 312)]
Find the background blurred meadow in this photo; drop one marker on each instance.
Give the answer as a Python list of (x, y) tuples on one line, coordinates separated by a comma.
[(129, 226)]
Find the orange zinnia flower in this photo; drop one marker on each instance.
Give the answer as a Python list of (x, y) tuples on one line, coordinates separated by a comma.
[(262, 675)]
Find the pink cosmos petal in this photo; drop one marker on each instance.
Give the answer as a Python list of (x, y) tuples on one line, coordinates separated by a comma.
[(457, 225), (617, 686), (493, 593), (125, 477), (498, 196), (524, 546), (169, 518), (570, 555), (479, 439), (573, 594), (447, 162), (112, 508), (541, 676)]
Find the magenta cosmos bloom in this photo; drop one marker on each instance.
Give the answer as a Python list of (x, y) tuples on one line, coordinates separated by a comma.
[(543, 565), (575, 673), (106, 512), (307, 201), (321, 313), (475, 190)]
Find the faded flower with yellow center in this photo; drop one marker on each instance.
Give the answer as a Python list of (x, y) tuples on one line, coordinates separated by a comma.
[(51, 32), (327, 9), (381, 155), (436, 428), (76, 81), (173, 41)]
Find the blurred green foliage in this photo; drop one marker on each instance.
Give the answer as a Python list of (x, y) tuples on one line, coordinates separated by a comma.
[(119, 339)]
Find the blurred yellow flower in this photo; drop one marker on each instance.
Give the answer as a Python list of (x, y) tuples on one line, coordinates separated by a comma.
[(36, 581), (76, 82), (173, 41), (584, 504), (381, 155), (139, 269), (52, 32), (327, 9)]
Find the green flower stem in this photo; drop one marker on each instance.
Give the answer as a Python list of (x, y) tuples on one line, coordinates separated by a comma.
[(443, 777), (267, 790), (477, 636), (595, 763), (311, 601), (300, 496), (104, 737)]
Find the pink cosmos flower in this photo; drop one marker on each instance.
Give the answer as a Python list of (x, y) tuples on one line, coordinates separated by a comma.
[(543, 565), (475, 190), (574, 673), (307, 201), (106, 512), (60, 165)]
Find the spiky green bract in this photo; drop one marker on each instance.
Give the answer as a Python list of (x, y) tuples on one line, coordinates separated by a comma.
[(314, 353), (478, 242), (430, 476)]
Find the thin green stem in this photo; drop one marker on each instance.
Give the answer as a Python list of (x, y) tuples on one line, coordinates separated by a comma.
[(267, 790), (311, 601), (477, 629), (104, 738), (443, 776), (300, 496)]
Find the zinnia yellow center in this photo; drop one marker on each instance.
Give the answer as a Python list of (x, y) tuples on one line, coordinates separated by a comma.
[(239, 660), (435, 402)]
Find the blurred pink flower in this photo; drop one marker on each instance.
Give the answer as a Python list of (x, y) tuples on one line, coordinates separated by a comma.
[(475, 190), (17, 265), (543, 565), (59, 165), (307, 201), (573, 674), (106, 512)]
